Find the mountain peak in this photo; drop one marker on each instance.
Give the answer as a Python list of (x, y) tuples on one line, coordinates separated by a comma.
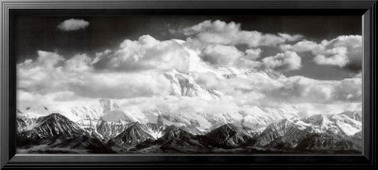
[(135, 134), (173, 132), (55, 117), (54, 125), (226, 136)]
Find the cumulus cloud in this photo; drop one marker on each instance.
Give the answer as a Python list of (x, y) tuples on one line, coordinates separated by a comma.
[(140, 65), (245, 89), (289, 37), (208, 80), (73, 24), (283, 61), (77, 75), (353, 45), (221, 55), (348, 90), (335, 56), (146, 53), (342, 51), (80, 62), (303, 46), (262, 88), (299, 89), (220, 32), (253, 54), (35, 75), (47, 60), (121, 85)]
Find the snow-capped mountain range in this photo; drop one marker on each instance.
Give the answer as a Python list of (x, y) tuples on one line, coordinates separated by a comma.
[(55, 133), (108, 126)]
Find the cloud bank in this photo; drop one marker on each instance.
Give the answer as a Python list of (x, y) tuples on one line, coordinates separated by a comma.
[(141, 74)]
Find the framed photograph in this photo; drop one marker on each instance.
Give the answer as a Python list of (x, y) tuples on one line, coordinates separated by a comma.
[(188, 84)]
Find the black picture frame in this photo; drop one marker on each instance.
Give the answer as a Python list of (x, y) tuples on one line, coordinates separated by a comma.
[(11, 8)]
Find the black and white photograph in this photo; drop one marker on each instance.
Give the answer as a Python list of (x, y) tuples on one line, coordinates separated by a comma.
[(189, 84)]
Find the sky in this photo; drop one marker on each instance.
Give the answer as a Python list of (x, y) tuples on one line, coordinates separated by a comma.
[(41, 33), (316, 60)]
